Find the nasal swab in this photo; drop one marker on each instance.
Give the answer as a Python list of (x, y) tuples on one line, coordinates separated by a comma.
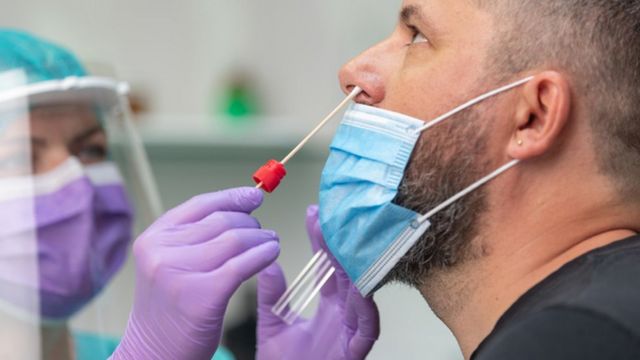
[(268, 177), (320, 269)]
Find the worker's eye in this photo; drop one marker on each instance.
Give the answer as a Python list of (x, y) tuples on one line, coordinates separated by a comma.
[(417, 36), (91, 154)]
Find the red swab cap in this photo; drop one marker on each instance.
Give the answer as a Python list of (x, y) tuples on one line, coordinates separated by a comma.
[(270, 175)]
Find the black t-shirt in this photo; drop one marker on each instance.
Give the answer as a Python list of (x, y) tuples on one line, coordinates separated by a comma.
[(589, 309)]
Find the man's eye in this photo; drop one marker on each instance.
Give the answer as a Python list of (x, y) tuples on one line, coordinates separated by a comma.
[(418, 38)]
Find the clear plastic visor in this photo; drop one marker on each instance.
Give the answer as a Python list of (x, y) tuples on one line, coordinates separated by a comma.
[(72, 175)]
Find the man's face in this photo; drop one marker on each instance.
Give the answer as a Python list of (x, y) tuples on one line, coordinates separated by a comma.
[(431, 62), (434, 61)]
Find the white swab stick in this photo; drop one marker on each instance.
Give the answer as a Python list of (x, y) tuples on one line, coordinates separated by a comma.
[(356, 91)]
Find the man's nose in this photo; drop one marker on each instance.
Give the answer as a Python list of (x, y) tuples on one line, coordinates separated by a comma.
[(370, 71)]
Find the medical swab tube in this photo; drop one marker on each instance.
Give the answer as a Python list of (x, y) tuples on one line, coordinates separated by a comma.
[(269, 176), (304, 288)]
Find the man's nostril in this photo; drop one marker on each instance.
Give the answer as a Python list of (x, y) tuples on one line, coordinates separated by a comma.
[(364, 98)]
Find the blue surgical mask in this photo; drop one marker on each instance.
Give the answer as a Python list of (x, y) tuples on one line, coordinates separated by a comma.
[(363, 229)]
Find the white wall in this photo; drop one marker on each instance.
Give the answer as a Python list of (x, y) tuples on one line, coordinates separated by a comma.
[(179, 52)]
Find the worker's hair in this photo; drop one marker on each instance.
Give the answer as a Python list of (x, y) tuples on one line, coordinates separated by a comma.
[(597, 44)]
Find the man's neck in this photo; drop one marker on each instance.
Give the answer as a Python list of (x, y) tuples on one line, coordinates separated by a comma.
[(484, 288)]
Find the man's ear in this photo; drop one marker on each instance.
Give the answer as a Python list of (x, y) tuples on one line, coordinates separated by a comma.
[(541, 114)]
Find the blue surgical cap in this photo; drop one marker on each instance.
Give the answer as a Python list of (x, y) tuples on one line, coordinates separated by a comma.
[(39, 59)]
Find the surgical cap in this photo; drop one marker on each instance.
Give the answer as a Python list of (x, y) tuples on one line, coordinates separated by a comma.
[(38, 58)]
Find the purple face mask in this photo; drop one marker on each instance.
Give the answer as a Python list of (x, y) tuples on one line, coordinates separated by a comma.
[(67, 240)]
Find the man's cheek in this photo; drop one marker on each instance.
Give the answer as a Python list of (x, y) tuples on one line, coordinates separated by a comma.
[(405, 94)]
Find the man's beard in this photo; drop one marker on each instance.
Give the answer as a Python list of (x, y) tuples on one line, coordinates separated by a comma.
[(447, 159)]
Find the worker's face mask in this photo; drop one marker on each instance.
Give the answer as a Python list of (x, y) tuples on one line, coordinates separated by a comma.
[(81, 219), (363, 229)]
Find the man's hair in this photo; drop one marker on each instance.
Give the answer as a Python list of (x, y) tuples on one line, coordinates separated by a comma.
[(597, 43)]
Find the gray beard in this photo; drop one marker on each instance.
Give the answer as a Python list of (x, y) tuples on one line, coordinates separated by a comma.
[(446, 160)]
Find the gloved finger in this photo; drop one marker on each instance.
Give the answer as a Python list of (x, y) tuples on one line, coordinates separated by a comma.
[(215, 225), (210, 255), (362, 315), (340, 280), (312, 225), (240, 268), (315, 235), (208, 228), (271, 286), (244, 200)]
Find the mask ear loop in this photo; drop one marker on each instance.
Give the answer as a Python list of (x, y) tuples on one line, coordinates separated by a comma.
[(471, 103), (473, 187), (467, 191)]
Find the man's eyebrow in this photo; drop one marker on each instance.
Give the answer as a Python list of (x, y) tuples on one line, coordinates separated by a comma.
[(411, 14)]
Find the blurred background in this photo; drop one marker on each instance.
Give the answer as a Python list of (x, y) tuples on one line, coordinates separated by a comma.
[(219, 87)]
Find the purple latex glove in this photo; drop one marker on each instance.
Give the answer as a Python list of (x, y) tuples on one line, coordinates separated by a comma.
[(188, 264), (345, 325)]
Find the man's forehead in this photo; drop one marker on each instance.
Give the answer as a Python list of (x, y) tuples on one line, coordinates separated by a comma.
[(444, 7), (455, 20), (439, 10)]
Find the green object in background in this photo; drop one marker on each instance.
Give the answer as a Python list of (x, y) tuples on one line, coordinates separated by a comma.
[(240, 103)]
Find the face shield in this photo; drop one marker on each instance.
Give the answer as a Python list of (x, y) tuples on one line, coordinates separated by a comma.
[(71, 170)]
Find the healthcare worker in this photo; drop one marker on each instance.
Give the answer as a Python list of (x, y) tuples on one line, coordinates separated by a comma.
[(66, 145)]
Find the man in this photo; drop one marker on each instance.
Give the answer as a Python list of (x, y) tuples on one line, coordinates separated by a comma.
[(543, 262)]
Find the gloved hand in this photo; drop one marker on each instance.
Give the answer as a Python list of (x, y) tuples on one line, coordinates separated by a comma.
[(188, 264), (345, 325)]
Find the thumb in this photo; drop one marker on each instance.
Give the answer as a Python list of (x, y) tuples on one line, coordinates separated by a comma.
[(317, 244), (313, 228), (271, 286)]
